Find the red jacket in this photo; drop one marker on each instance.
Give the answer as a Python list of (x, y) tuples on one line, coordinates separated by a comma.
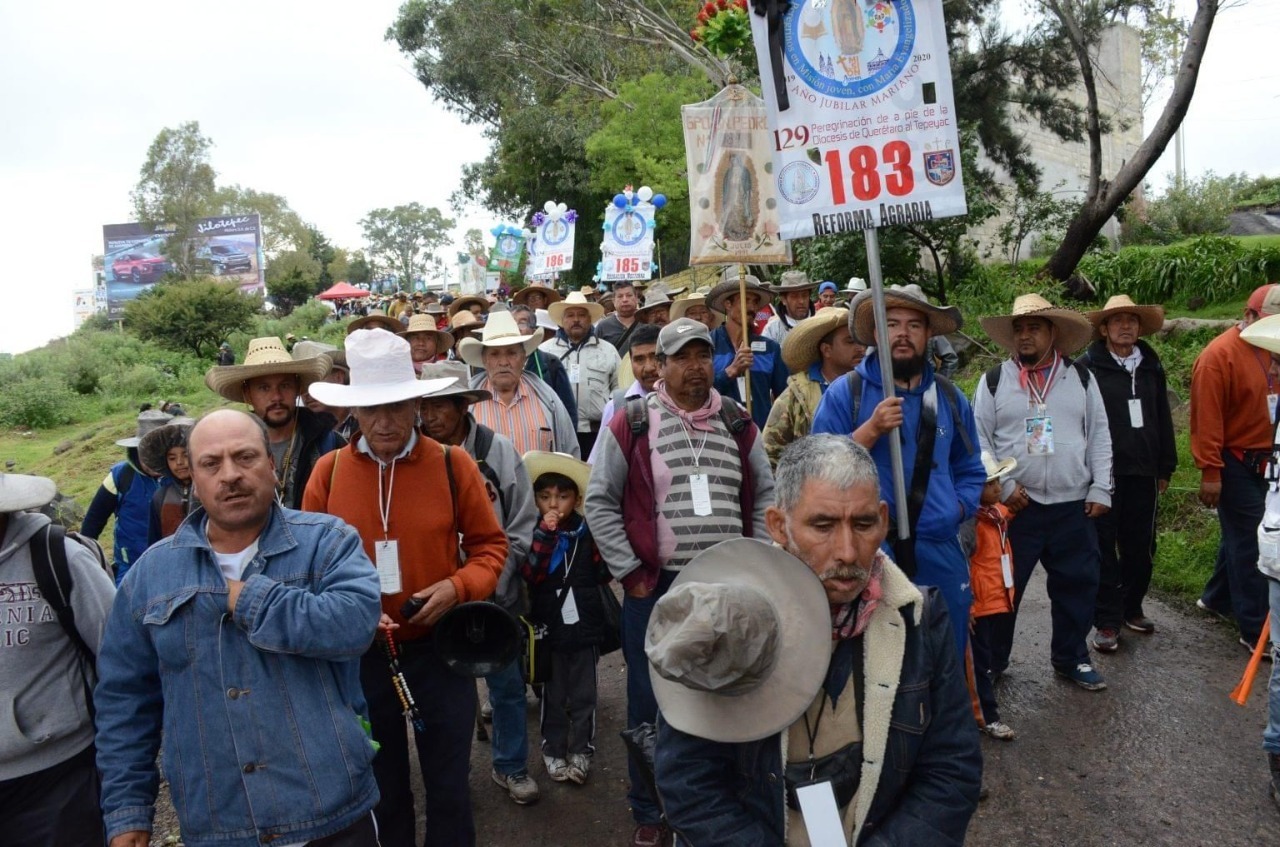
[(992, 592)]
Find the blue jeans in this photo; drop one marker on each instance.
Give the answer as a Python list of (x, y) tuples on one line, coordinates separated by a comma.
[(510, 730), (943, 564), (1271, 735), (1237, 586), (642, 707)]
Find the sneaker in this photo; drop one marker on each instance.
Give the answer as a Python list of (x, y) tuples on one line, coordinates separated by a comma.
[(1000, 730), (1141, 623), (1249, 645), (579, 767), (651, 835), (557, 769), (520, 787), (1106, 640), (1209, 610), (1084, 676)]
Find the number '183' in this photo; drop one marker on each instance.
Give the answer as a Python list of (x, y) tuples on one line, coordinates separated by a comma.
[(864, 172)]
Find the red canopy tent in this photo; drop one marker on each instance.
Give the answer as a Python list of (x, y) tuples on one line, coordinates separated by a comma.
[(342, 291)]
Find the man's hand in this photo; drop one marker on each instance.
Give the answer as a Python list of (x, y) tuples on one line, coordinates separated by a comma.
[(1162, 485), (1018, 500), (885, 419), (234, 587), (639, 591), (136, 838), (440, 598), (386, 626), (1210, 493), (742, 362), (1095, 510)]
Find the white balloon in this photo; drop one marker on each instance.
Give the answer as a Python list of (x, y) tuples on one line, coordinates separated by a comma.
[(527, 233), (548, 206), (554, 214), (645, 193), (561, 208)]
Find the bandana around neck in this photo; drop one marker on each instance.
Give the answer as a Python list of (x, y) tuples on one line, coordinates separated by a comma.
[(700, 419), (848, 622)]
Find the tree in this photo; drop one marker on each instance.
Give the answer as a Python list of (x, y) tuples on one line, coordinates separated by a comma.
[(1033, 211), (193, 315), (293, 279), (319, 249), (1081, 23), (282, 227), (406, 238), (359, 271), (338, 267), (176, 188)]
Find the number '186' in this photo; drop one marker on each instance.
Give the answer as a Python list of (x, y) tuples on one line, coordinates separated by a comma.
[(864, 172)]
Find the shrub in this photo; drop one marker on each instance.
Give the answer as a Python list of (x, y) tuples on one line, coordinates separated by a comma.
[(37, 404)]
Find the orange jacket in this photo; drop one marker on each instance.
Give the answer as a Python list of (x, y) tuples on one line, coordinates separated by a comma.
[(1229, 388), (421, 519), (991, 594)]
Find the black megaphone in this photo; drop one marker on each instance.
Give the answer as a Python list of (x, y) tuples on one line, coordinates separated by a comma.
[(478, 638)]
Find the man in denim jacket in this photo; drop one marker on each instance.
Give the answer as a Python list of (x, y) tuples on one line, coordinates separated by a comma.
[(238, 638)]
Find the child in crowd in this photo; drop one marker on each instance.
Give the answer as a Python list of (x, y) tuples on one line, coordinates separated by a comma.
[(991, 575), (565, 574), (164, 451)]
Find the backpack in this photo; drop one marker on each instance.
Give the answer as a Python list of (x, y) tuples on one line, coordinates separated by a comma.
[(53, 578), (484, 441), (949, 393), (992, 378)]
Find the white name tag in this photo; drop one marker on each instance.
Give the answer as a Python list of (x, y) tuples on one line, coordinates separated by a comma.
[(1271, 407), (1006, 569), (575, 373), (387, 553), (1135, 413), (701, 488), (758, 347), (821, 816), (742, 388), (569, 609)]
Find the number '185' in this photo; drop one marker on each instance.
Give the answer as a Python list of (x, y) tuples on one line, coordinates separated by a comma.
[(864, 172)]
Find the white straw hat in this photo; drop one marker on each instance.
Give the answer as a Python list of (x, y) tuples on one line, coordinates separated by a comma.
[(381, 372)]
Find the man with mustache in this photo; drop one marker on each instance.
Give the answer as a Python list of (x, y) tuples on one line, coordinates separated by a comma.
[(675, 472), (935, 426), (271, 381), (886, 732)]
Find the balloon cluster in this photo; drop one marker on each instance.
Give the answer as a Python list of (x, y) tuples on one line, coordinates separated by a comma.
[(629, 199), (553, 211), (506, 229)]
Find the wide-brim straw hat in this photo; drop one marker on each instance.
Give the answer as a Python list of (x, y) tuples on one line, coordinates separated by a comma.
[(797, 632), (19, 492), (1263, 333), (795, 281), (463, 323), (681, 307), (381, 373), (309, 349), (522, 296), (467, 302), (538, 462), (730, 286), (997, 468), (265, 357), (499, 331), (149, 420), (427, 324), (862, 320), (575, 300), (375, 320), (800, 347), (154, 447), (461, 375), (1150, 318), (654, 299), (1072, 330)]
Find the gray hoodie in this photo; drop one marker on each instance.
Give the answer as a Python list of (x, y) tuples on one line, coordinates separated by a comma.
[(1079, 467), (519, 517), (43, 717)]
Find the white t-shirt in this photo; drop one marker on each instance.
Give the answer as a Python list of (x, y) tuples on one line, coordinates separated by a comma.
[(232, 565)]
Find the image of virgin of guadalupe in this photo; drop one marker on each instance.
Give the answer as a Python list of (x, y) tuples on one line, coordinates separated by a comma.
[(738, 206), (847, 26)]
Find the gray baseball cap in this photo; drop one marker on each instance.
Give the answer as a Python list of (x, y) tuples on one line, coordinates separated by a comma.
[(678, 333)]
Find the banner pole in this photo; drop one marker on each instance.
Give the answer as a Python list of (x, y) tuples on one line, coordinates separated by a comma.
[(746, 332), (886, 378)]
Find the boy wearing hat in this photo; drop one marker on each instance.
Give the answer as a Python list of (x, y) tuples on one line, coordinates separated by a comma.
[(991, 575), (1061, 483), (1144, 457), (564, 572)]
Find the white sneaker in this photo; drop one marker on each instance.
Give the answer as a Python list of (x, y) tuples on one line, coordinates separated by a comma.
[(1000, 730), (557, 769), (579, 767), (520, 787)]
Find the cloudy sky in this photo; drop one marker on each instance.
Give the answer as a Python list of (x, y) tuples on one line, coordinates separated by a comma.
[(305, 99)]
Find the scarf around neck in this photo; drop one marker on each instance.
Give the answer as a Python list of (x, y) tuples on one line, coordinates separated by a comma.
[(699, 419), (848, 622)]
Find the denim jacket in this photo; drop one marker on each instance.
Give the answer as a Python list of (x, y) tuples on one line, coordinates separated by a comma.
[(261, 711)]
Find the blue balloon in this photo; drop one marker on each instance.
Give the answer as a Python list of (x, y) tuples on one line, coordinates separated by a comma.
[(659, 200), (496, 231), (620, 200)]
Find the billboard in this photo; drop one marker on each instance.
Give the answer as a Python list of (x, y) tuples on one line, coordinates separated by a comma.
[(85, 305), (228, 247)]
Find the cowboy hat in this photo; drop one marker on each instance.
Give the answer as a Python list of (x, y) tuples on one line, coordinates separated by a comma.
[(1264, 333), (522, 296), (309, 349), (265, 357), (1072, 330), (800, 347), (997, 469), (794, 281), (588, 291), (455, 371), (154, 447), (433, 308), (681, 307), (655, 298), (1150, 318), (375, 320), (19, 492), (739, 645), (381, 373), (427, 324), (500, 331), (147, 421), (538, 462), (467, 302), (575, 300), (862, 322), (463, 323), (729, 286)]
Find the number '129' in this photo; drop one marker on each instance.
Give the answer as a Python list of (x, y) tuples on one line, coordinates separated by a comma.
[(864, 174)]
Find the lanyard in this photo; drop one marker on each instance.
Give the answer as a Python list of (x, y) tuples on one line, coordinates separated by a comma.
[(1266, 370), (283, 482), (697, 454), (384, 511), (812, 732), (1040, 394)]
